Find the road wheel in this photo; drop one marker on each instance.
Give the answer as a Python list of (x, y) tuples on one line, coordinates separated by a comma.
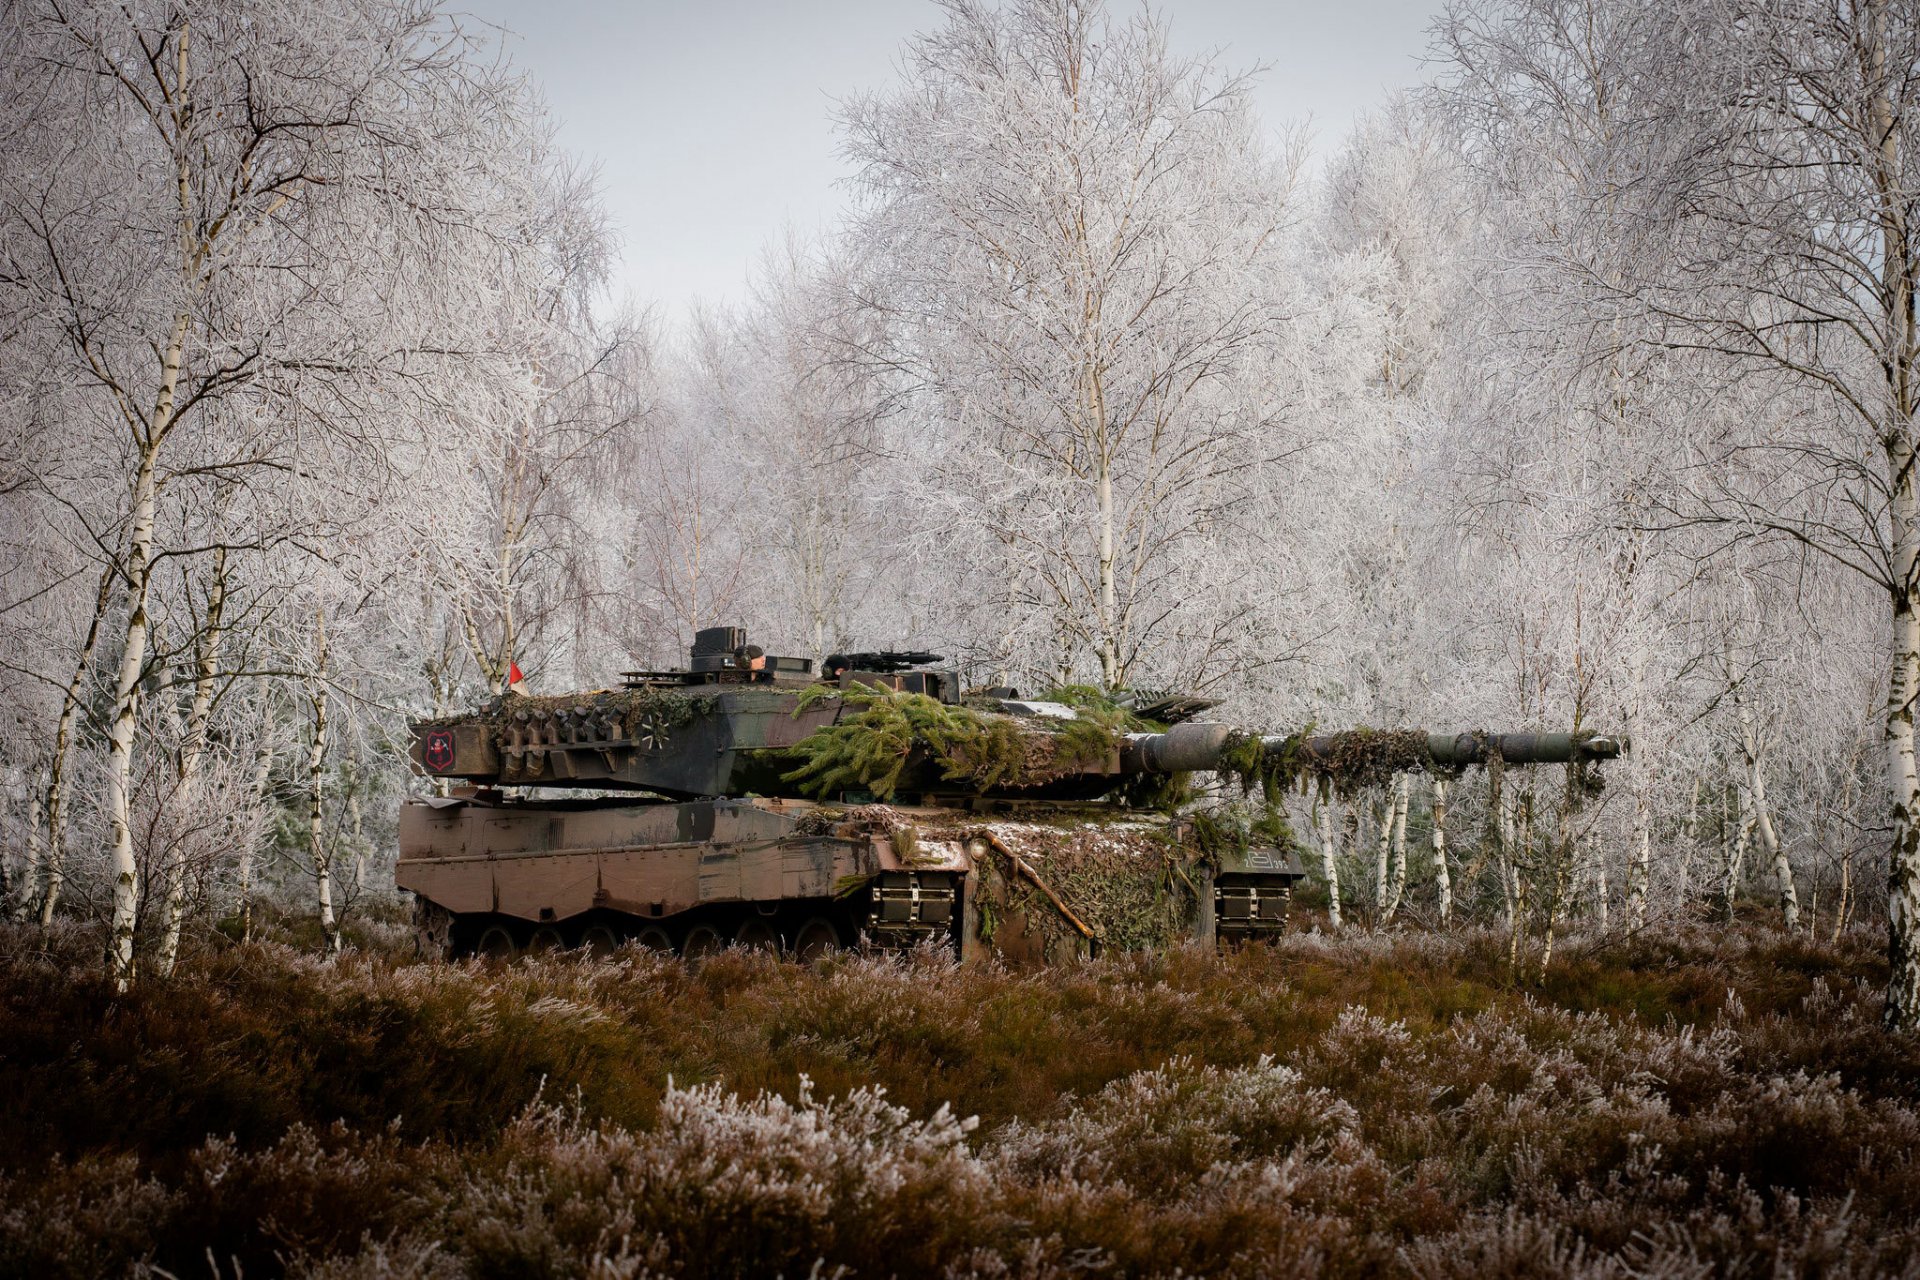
[(815, 939), (654, 938), (432, 931), (496, 943), (757, 935), (599, 940), (545, 941), (702, 940)]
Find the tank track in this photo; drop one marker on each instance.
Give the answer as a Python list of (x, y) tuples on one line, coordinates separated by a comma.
[(1246, 908), (898, 910)]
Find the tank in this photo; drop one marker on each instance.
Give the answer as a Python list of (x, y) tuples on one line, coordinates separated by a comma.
[(751, 800)]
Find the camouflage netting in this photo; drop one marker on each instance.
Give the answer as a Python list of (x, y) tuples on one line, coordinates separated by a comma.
[(639, 711), (1132, 883), (1361, 758), (871, 749), (1350, 761), (1127, 881)]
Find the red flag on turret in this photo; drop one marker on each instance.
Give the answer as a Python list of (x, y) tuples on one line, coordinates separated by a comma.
[(513, 673)]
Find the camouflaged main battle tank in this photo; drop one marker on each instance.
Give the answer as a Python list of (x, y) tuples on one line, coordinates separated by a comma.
[(750, 800)]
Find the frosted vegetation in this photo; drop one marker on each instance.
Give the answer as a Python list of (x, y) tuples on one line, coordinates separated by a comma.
[(1719, 1102), (1575, 390)]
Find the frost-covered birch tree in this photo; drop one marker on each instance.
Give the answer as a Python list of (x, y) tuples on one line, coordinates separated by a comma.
[(1767, 224), (232, 201), (1066, 231), (542, 429)]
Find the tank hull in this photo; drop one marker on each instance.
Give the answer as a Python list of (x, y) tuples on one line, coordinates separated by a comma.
[(499, 877)]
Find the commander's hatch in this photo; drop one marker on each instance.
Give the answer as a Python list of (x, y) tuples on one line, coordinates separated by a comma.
[(721, 655)]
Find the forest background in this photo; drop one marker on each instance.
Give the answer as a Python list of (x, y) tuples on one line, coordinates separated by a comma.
[(1573, 391)]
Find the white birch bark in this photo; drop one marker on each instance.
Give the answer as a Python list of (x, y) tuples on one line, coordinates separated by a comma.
[(1329, 869), (1899, 357), (149, 438), (1903, 876), (316, 791), (126, 698), (24, 892), (1739, 831), (193, 749), (1382, 853), (1689, 843), (56, 806), (1640, 869), (1505, 823), (1397, 862), (1843, 842), (1109, 640), (1442, 877), (256, 826), (357, 826), (323, 872), (1753, 750)]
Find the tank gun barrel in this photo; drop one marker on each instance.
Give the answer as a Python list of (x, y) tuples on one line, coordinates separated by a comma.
[(1185, 748), (1523, 748)]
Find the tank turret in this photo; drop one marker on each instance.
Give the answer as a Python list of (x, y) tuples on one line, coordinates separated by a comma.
[(752, 799)]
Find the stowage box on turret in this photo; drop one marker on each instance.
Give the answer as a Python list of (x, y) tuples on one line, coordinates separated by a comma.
[(750, 800)]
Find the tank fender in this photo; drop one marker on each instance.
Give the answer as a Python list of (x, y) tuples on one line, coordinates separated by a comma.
[(922, 855)]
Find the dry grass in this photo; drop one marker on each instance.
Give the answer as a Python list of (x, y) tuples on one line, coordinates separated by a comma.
[(1674, 1104)]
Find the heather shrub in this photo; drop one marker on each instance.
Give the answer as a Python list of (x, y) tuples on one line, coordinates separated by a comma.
[(88, 1219), (720, 1185), (1669, 1104), (1159, 1131)]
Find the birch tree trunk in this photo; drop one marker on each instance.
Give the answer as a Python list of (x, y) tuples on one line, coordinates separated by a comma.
[(1903, 509), (1640, 869), (1740, 828), (1893, 181), (1443, 879), (1495, 838), (1323, 825), (1795, 252), (23, 900), (316, 830), (148, 441), (126, 695), (1842, 841), (1752, 749), (358, 829), (1382, 853), (56, 807), (1397, 863), (1110, 668), (193, 749), (1689, 843), (316, 792), (1903, 875), (1507, 827), (262, 772)]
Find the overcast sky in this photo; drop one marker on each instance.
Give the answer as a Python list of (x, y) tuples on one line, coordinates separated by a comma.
[(712, 123)]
